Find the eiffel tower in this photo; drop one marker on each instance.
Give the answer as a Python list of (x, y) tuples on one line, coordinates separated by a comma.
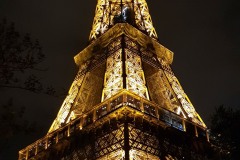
[(125, 102)]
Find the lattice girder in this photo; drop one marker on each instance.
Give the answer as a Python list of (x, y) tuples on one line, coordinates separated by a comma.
[(106, 139), (124, 70), (135, 51), (113, 81), (129, 31), (186, 106), (64, 114), (107, 11), (135, 75), (125, 102), (84, 93)]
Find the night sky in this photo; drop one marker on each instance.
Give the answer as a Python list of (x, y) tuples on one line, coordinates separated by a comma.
[(204, 36)]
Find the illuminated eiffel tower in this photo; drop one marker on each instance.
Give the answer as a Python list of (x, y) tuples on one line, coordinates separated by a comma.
[(125, 102)]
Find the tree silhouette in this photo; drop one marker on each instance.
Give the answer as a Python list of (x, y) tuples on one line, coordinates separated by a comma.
[(13, 123), (20, 58), (225, 123), (20, 62)]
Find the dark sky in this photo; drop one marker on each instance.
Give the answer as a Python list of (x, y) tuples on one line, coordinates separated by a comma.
[(204, 36)]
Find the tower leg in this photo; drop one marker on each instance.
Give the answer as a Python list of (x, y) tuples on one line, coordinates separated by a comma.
[(126, 141)]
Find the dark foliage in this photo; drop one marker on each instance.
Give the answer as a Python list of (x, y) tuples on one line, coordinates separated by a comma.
[(19, 60), (13, 123), (225, 123)]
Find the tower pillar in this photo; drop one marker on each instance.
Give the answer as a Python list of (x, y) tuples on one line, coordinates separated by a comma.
[(126, 141)]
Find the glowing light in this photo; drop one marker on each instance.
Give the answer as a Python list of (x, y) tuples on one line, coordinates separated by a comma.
[(65, 109), (106, 10), (113, 82), (117, 155), (140, 155), (181, 95)]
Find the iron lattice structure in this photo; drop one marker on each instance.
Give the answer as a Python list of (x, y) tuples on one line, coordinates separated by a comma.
[(125, 101), (107, 12)]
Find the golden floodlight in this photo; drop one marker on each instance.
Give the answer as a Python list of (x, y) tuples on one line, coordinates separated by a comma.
[(125, 102)]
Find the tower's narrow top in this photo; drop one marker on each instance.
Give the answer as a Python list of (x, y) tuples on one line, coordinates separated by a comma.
[(110, 12)]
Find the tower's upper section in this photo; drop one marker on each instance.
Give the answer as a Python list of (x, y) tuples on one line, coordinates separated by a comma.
[(110, 12)]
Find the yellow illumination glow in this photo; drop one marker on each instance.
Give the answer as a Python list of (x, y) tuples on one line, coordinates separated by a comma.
[(140, 155), (106, 10)]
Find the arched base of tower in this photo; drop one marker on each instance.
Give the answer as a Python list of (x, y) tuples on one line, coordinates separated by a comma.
[(124, 127), (128, 138)]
